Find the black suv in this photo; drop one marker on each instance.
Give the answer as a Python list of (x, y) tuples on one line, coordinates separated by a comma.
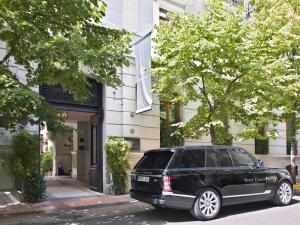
[(204, 178)]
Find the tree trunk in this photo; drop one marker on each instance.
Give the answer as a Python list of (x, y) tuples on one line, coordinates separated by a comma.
[(228, 137), (293, 160), (212, 131), (293, 147)]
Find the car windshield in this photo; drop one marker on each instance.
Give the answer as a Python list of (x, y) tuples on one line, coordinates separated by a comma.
[(155, 160)]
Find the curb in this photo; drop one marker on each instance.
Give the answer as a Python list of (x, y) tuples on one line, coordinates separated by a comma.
[(296, 186)]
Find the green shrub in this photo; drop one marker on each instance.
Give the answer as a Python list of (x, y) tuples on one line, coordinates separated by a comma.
[(117, 151), (24, 155), (22, 163), (46, 161), (34, 187)]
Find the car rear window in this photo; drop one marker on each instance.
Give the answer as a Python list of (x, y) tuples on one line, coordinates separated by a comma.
[(189, 159), (155, 160)]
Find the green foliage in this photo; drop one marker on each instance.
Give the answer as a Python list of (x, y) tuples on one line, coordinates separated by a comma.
[(205, 57), (23, 156), (34, 187), (18, 103), (55, 41), (22, 162), (236, 69), (277, 28), (117, 151), (46, 161), (119, 182)]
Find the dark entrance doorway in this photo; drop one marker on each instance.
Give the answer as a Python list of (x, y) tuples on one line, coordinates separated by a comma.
[(92, 107)]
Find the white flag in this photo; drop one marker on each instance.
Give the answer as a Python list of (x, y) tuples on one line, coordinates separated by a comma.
[(143, 62)]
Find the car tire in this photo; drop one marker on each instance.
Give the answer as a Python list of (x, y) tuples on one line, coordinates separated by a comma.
[(283, 195), (207, 204)]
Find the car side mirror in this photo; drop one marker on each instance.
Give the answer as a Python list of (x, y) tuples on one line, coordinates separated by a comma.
[(260, 163)]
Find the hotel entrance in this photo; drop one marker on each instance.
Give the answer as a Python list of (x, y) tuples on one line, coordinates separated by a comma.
[(77, 154)]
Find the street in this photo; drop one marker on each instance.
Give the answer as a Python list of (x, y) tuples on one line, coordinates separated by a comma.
[(139, 213), (248, 214)]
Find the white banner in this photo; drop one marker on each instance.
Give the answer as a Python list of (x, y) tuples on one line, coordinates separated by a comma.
[(143, 62)]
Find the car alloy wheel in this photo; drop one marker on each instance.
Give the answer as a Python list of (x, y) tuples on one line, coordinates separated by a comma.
[(284, 194), (207, 205)]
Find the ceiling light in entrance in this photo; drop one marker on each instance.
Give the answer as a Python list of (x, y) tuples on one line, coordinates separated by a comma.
[(63, 115)]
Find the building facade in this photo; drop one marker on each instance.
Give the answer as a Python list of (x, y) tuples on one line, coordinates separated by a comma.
[(112, 111)]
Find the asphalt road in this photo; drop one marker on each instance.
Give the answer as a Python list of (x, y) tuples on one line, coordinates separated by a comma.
[(136, 213), (262, 213)]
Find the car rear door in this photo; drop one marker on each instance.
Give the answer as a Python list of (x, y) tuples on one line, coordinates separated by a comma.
[(254, 176), (146, 176), (187, 171)]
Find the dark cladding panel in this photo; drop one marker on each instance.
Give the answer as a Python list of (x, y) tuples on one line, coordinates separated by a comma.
[(55, 94)]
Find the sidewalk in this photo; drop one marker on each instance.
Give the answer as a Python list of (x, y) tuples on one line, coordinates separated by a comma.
[(55, 204)]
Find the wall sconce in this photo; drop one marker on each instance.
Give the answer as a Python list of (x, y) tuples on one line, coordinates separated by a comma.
[(63, 115)]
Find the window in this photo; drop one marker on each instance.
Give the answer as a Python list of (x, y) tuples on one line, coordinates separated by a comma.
[(218, 158), (189, 159), (155, 160), (169, 114), (242, 158), (135, 143)]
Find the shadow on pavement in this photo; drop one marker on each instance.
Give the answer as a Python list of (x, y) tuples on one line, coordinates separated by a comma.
[(248, 208), (169, 216), (163, 216)]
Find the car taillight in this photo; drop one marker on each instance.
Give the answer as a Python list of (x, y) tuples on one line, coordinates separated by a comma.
[(166, 184)]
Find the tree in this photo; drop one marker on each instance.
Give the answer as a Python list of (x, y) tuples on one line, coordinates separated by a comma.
[(277, 24), (210, 58), (54, 41)]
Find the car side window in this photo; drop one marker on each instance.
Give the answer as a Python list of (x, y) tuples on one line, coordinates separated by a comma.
[(241, 157), (218, 158), (190, 159), (210, 160)]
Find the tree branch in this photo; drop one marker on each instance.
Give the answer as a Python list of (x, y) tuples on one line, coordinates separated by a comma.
[(232, 83), (11, 50), (203, 90)]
